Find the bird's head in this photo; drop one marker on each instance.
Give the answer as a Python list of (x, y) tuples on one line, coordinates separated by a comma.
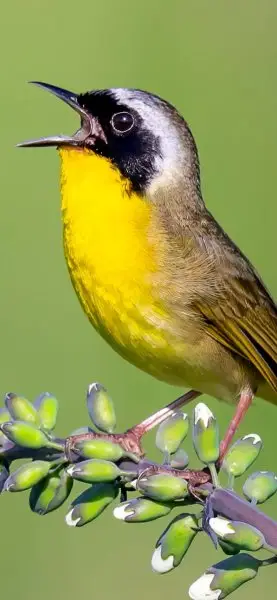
[(141, 134)]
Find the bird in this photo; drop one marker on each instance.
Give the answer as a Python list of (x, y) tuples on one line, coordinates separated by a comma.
[(155, 273)]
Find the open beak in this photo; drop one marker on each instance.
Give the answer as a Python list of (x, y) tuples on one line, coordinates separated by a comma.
[(89, 131)]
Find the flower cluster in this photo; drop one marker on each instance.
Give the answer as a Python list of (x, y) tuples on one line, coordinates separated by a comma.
[(113, 466)]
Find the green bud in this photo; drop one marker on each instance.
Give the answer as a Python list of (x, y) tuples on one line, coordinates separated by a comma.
[(101, 408), (224, 578), (172, 432), (4, 417), (244, 536), (25, 434), (163, 487), (50, 493), (242, 454), (21, 409), (179, 460), (94, 471), (260, 486), (98, 448), (174, 543), (228, 548), (47, 407), (140, 510), (27, 475), (90, 504), (205, 434)]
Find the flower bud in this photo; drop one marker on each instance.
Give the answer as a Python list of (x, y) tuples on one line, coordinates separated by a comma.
[(260, 486), (172, 432), (98, 448), (27, 475), (94, 471), (162, 487), (179, 460), (228, 548), (242, 454), (244, 536), (224, 578), (47, 407), (4, 417), (205, 434), (140, 510), (24, 434), (101, 408), (50, 493), (21, 409), (90, 504), (174, 543)]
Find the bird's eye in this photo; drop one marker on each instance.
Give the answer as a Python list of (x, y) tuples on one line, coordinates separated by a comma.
[(122, 122)]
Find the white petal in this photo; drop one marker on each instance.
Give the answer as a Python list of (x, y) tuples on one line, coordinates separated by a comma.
[(201, 590), (202, 412), (221, 526), (70, 469), (71, 522), (160, 565), (255, 436), (93, 386), (122, 511), (143, 480), (133, 483)]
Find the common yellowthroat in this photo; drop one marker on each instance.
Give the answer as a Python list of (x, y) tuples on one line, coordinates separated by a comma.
[(154, 272)]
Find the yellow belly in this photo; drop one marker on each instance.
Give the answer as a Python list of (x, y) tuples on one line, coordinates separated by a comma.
[(113, 264), (111, 259)]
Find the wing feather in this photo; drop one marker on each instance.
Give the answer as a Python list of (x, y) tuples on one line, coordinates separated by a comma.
[(249, 330)]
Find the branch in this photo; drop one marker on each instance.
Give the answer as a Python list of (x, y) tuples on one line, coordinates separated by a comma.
[(111, 464)]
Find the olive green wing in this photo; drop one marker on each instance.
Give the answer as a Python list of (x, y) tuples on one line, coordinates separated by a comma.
[(244, 319)]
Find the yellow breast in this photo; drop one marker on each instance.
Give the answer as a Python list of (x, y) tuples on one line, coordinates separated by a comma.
[(116, 253), (110, 256)]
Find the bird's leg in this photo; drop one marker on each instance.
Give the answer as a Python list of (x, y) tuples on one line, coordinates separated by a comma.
[(164, 413), (131, 439), (245, 401)]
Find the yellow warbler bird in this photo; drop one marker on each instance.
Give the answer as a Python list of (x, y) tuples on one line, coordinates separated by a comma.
[(154, 272)]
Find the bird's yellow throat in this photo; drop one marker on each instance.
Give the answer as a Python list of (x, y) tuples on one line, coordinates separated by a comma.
[(110, 256)]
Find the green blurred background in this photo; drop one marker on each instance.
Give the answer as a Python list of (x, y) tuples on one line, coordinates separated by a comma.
[(216, 60)]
